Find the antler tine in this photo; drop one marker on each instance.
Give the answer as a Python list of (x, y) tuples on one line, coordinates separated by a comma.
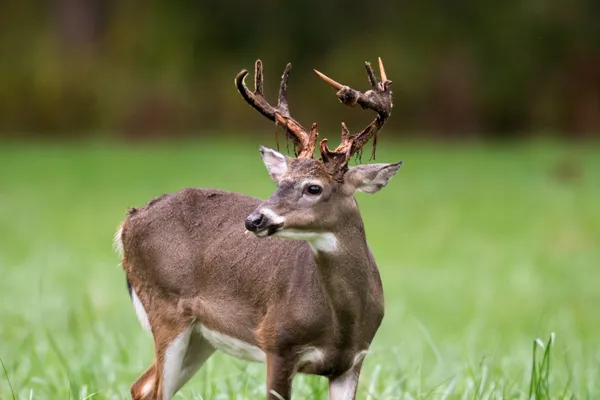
[(303, 141), (258, 77), (371, 75), (378, 99), (327, 79), (282, 103), (382, 71), (255, 99)]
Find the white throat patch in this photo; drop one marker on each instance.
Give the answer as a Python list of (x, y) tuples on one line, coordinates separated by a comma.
[(325, 242)]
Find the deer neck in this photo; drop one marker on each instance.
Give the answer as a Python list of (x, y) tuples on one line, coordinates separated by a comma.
[(343, 259), (346, 242)]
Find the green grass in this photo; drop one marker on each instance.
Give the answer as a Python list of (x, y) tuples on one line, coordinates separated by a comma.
[(482, 250)]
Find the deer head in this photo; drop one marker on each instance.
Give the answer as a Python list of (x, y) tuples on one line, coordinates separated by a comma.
[(315, 195)]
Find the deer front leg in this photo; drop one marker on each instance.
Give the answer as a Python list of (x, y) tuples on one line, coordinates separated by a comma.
[(280, 373), (343, 387)]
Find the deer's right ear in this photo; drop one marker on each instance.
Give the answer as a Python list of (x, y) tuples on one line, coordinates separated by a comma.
[(275, 162)]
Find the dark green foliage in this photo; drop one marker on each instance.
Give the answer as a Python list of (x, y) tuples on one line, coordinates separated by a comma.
[(145, 69)]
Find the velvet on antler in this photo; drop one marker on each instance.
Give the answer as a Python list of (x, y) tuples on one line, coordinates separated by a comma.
[(378, 99), (304, 142)]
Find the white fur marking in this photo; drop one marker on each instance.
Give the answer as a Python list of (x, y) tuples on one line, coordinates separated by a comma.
[(344, 386), (263, 233), (140, 311), (274, 161), (195, 356), (369, 188), (309, 356), (275, 218), (359, 357), (137, 304), (147, 387), (232, 346), (173, 361), (118, 241), (319, 241)]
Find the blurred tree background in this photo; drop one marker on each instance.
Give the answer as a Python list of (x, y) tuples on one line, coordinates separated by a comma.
[(146, 69)]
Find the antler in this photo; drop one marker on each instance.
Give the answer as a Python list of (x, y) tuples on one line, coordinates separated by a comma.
[(303, 141), (378, 99)]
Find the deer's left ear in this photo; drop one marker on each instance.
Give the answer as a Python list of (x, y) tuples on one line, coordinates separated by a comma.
[(370, 178), (275, 162)]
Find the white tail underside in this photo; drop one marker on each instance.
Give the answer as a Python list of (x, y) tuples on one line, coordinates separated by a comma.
[(118, 242), (137, 304)]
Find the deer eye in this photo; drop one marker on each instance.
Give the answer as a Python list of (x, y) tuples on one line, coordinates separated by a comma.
[(314, 189)]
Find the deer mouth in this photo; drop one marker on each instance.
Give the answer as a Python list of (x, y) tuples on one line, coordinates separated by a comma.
[(264, 222), (268, 230)]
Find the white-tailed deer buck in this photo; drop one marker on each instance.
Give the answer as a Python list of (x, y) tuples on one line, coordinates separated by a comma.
[(199, 281)]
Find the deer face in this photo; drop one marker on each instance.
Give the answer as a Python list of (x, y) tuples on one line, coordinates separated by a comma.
[(309, 202), (315, 198)]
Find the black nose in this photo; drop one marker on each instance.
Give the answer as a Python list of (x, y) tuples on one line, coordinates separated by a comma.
[(254, 221)]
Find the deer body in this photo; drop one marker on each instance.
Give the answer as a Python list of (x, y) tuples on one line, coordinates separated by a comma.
[(274, 294), (209, 269)]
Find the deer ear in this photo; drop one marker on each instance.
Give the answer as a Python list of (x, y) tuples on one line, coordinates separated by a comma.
[(275, 162), (370, 178)]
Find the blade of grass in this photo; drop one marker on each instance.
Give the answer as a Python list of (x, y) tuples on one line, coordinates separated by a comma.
[(532, 382), (12, 391)]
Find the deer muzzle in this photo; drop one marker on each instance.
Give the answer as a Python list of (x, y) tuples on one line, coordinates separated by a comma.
[(263, 222)]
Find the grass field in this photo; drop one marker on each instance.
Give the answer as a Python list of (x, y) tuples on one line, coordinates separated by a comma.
[(481, 249)]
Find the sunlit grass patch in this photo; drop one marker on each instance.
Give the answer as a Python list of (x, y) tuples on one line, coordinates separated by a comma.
[(481, 250)]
